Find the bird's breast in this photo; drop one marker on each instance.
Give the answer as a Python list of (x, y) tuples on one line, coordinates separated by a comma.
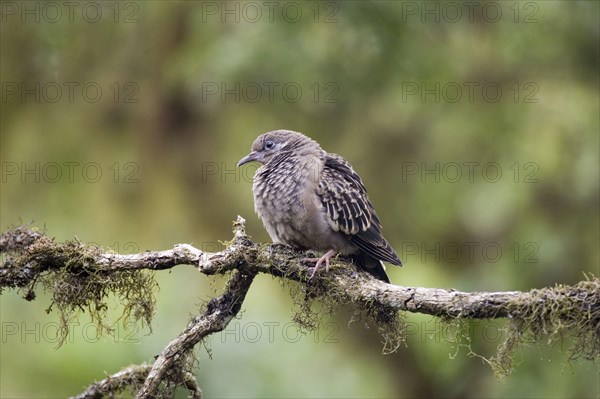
[(285, 199)]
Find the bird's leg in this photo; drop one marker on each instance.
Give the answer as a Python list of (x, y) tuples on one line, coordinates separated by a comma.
[(319, 261)]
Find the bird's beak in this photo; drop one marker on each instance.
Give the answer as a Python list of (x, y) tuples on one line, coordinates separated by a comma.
[(253, 156)]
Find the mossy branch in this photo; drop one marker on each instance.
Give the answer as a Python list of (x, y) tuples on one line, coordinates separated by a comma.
[(219, 312), (81, 276), (132, 376)]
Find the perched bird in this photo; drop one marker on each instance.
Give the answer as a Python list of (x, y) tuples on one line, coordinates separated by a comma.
[(313, 200)]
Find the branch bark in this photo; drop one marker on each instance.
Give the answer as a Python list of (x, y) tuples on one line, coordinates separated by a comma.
[(32, 254), (130, 376), (217, 316), (244, 255)]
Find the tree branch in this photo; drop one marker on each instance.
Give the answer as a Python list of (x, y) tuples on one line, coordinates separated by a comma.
[(217, 316), (130, 376), (281, 261), (31, 256)]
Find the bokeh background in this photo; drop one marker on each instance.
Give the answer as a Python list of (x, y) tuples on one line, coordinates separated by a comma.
[(474, 127)]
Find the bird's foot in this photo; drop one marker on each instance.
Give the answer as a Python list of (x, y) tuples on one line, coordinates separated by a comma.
[(319, 261)]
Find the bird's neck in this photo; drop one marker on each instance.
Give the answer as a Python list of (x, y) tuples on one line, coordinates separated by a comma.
[(291, 166)]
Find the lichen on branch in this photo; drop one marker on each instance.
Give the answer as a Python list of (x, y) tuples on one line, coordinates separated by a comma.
[(69, 272), (82, 277)]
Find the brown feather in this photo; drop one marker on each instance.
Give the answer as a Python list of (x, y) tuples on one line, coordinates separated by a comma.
[(349, 210)]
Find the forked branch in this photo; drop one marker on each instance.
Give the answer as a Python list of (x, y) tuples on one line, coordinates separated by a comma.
[(31, 257)]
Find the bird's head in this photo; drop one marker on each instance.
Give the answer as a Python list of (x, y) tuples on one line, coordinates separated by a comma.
[(274, 144)]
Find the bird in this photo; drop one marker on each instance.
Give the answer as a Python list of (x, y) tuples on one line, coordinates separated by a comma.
[(310, 199)]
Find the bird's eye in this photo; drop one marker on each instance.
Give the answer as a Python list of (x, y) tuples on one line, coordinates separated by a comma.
[(269, 144)]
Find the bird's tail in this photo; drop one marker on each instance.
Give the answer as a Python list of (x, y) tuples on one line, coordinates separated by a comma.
[(372, 266)]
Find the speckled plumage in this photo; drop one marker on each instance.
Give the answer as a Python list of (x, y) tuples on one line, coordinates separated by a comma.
[(310, 199)]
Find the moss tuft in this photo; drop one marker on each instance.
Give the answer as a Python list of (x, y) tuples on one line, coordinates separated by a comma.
[(66, 271), (554, 314), (323, 297)]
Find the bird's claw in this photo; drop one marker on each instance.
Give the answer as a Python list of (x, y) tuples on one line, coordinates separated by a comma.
[(319, 261)]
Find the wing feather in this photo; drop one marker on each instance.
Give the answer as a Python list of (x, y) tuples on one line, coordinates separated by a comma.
[(346, 203)]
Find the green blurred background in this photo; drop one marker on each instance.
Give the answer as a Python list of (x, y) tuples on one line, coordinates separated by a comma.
[(475, 128)]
